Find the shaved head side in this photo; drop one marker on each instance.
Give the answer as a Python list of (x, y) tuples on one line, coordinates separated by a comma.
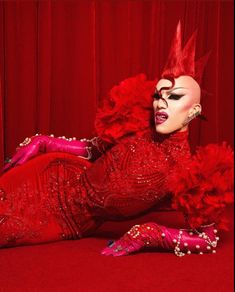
[(186, 82)]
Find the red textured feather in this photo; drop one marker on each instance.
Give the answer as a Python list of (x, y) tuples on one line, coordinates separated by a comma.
[(204, 189), (127, 110)]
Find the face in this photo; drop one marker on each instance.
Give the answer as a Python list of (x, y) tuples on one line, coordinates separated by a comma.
[(173, 107)]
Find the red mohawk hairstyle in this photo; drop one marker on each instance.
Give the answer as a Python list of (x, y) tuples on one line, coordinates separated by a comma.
[(181, 61)]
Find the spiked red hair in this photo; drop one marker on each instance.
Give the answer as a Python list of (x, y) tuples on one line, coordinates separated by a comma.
[(181, 61)]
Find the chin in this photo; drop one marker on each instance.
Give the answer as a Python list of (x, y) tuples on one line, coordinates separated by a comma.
[(162, 129)]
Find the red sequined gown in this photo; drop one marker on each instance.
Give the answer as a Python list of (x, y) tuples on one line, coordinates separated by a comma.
[(59, 196)]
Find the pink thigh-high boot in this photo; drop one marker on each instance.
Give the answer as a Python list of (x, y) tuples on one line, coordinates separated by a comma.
[(181, 241), (38, 144)]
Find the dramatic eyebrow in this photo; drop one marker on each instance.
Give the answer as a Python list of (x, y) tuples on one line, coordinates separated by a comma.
[(168, 90)]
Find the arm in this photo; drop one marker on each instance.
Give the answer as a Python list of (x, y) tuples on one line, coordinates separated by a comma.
[(31, 147), (180, 241)]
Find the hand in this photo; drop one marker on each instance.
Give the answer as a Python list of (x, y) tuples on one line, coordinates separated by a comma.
[(136, 238), (26, 150), (123, 246), (35, 145)]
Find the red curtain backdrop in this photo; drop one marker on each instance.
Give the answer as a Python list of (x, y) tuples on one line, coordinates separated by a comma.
[(59, 59)]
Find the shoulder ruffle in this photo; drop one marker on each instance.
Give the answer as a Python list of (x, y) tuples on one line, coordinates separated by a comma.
[(204, 189), (127, 110)]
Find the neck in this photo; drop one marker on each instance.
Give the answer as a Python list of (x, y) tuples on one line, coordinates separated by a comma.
[(176, 137), (175, 145)]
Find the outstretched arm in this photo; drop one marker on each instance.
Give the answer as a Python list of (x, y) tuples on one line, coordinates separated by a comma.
[(180, 241), (31, 147)]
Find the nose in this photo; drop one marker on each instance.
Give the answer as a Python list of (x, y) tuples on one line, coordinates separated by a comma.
[(161, 103)]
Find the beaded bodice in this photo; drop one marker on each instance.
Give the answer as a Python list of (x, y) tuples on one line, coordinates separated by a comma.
[(60, 196), (134, 176)]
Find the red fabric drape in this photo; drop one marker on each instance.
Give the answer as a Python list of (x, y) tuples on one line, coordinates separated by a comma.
[(59, 58)]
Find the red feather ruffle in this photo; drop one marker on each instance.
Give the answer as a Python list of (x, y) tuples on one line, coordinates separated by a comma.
[(127, 110), (203, 189)]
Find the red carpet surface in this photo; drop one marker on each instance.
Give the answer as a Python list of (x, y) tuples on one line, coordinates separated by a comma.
[(78, 265)]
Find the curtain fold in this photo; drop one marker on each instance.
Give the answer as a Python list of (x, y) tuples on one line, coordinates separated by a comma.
[(1, 131), (2, 54), (44, 65), (60, 58)]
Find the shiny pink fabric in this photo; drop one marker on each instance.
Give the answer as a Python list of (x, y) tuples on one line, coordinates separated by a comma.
[(37, 145), (181, 241)]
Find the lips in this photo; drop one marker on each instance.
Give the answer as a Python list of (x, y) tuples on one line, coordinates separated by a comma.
[(160, 117)]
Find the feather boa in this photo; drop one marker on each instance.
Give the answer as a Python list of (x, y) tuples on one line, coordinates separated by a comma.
[(203, 189), (127, 110)]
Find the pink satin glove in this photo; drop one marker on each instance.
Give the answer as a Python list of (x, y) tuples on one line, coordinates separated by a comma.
[(153, 235), (39, 144)]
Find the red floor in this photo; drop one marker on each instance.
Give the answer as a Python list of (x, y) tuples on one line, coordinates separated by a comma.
[(78, 265)]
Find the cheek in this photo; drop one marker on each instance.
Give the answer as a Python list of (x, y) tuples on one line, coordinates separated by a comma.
[(181, 107)]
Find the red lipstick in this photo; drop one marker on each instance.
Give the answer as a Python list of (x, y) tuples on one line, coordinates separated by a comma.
[(160, 117)]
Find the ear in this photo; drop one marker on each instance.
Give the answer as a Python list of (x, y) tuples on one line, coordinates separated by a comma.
[(195, 110)]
